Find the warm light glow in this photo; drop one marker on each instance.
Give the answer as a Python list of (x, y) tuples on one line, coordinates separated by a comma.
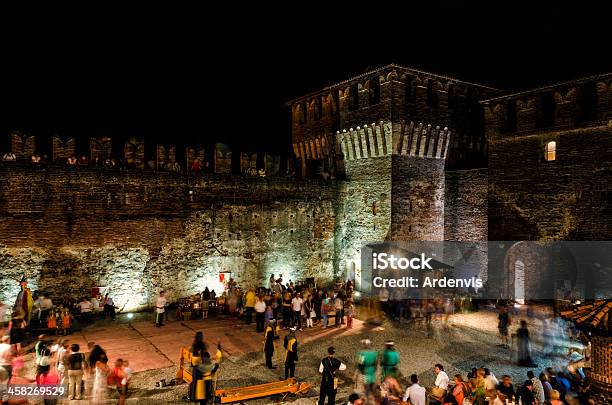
[(550, 153)]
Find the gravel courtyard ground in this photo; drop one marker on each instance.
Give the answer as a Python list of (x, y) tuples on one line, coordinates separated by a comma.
[(465, 341)]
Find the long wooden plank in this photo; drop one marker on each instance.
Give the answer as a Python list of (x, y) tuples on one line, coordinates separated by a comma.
[(257, 391), (260, 387)]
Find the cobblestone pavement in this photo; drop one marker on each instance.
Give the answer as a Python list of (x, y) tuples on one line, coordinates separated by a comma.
[(465, 341)]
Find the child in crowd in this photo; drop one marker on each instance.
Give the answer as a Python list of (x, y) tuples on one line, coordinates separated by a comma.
[(350, 308), (52, 323), (66, 322), (127, 370), (205, 308), (117, 377)]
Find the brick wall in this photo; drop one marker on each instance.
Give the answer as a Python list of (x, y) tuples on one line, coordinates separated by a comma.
[(418, 198), (568, 198), (466, 205)]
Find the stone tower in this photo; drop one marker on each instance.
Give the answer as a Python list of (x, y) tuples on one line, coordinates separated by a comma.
[(390, 134)]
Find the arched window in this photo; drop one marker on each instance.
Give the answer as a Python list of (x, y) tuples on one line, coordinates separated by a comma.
[(432, 95), (511, 116), (409, 89), (318, 108), (550, 151), (546, 112), (354, 97), (374, 91)]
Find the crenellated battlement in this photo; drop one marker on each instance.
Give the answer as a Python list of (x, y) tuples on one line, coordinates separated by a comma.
[(564, 105), (422, 140), (377, 139), (374, 140), (137, 153), (404, 98)]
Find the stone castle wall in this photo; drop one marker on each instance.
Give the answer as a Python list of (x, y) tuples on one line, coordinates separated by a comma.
[(568, 197), (139, 232)]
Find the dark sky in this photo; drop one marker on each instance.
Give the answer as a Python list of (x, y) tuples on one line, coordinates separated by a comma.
[(215, 75)]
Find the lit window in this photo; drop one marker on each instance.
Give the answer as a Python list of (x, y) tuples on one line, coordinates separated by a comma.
[(550, 153)]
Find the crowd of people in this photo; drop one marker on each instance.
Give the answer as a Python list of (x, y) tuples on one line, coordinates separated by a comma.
[(290, 304), (196, 166), (379, 383), (278, 305), (86, 374)]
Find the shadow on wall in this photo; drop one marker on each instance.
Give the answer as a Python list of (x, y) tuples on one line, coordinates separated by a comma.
[(70, 273)]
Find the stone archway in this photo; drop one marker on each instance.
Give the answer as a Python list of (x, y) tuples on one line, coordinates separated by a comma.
[(537, 270)]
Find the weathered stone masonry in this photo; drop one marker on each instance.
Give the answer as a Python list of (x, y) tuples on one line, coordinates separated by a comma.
[(137, 232), (568, 198), (407, 155)]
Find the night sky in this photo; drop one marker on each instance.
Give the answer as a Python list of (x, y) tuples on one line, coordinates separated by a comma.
[(213, 76)]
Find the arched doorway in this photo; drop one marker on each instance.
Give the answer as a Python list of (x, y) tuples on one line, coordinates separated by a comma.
[(519, 282)]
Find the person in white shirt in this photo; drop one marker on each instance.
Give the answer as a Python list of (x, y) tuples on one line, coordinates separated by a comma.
[(442, 379), (6, 356), (46, 303), (95, 303), (296, 306), (260, 314), (45, 307), (490, 380), (86, 307), (415, 393), (160, 308)]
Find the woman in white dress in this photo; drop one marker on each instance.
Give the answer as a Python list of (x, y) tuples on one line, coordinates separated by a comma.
[(100, 385)]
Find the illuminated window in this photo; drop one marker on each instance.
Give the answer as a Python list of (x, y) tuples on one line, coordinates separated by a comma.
[(550, 153)]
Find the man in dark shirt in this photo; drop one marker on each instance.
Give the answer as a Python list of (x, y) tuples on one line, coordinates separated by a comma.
[(328, 367), (291, 354), (525, 393), (506, 387), (502, 325)]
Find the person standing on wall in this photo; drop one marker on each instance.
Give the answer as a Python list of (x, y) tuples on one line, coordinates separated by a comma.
[(160, 309), (329, 383), (291, 354)]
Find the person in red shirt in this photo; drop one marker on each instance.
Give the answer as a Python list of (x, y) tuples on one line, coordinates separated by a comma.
[(118, 378), (48, 377)]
